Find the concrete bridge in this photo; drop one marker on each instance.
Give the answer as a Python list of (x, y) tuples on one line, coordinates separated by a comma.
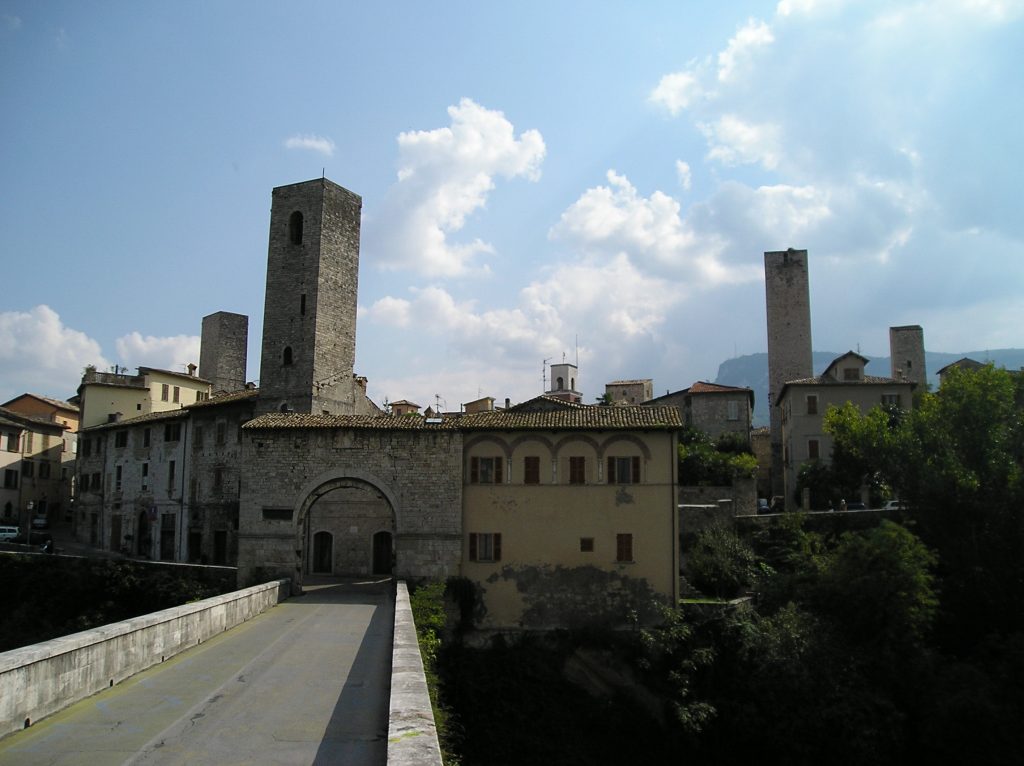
[(330, 677)]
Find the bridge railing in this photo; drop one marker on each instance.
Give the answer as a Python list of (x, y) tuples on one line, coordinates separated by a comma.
[(41, 679)]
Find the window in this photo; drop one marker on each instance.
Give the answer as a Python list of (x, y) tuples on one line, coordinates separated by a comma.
[(561, 384), (145, 438), (302, 305), (202, 396), (485, 470), (624, 470), (10, 479), (812, 404), (117, 478), (86, 447), (624, 547), (277, 514), (165, 391), (177, 394), (295, 228), (578, 470), (890, 400), (485, 546), (218, 479), (220, 433), (85, 482), (145, 476), (28, 442), (734, 410), (170, 475), (172, 432), (851, 373), (586, 545), (121, 439), (286, 357), (197, 438), (96, 484), (813, 449), (44, 470), (27, 469), (12, 441), (531, 470)]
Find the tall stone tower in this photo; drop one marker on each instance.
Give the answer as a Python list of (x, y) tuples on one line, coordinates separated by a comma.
[(223, 350), (309, 318), (788, 303), (906, 350)]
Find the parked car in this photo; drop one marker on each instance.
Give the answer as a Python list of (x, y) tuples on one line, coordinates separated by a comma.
[(894, 505), (762, 505), (8, 534), (856, 506)]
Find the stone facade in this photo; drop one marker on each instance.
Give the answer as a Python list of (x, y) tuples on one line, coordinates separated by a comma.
[(224, 350), (788, 305), (906, 350), (629, 391), (309, 321)]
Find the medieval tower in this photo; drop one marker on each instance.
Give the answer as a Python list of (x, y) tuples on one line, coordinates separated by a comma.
[(788, 303), (906, 349), (223, 350), (309, 319)]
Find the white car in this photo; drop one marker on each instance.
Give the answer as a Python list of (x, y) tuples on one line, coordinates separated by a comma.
[(7, 534), (894, 505)]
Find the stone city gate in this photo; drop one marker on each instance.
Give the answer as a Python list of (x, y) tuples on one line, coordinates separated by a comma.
[(346, 526)]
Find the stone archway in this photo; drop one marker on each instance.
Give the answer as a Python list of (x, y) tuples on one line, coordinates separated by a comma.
[(357, 517)]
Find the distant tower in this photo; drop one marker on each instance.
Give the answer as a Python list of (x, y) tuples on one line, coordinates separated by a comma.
[(309, 319), (906, 350), (223, 350), (565, 382), (788, 302)]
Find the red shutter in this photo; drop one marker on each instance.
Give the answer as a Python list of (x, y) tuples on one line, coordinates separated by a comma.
[(497, 546), (498, 462), (472, 545), (636, 470), (474, 470), (610, 478)]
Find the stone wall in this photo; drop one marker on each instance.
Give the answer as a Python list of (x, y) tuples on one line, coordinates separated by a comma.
[(223, 350), (418, 472)]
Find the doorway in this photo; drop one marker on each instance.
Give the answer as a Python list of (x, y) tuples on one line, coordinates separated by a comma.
[(382, 553), (323, 553)]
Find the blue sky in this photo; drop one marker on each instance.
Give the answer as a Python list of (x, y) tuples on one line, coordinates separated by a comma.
[(538, 180)]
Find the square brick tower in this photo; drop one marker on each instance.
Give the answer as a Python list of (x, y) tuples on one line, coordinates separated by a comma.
[(788, 303), (906, 351), (223, 350), (309, 318)]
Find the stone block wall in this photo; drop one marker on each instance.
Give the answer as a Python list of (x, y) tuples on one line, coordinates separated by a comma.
[(223, 350)]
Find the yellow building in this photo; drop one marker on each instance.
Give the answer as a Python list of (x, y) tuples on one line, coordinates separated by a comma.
[(31, 452), (107, 397), (569, 513)]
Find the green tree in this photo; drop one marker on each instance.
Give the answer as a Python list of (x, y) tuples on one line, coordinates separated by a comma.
[(720, 563)]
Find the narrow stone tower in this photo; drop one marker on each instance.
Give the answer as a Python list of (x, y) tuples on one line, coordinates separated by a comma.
[(223, 350), (906, 349), (788, 303), (309, 318)]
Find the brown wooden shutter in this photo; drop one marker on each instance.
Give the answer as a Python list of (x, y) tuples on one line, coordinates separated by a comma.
[(636, 470), (498, 463), (472, 544), (497, 546), (474, 470), (610, 478)]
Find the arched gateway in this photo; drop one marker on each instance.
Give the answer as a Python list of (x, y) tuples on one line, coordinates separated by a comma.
[(346, 526)]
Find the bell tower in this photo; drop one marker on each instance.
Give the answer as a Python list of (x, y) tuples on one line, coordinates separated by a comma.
[(309, 316)]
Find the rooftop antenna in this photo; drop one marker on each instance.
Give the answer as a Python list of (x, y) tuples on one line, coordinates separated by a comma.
[(544, 373), (576, 344)]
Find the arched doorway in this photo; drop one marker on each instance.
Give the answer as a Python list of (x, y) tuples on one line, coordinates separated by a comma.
[(359, 519), (323, 553), (382, 553)]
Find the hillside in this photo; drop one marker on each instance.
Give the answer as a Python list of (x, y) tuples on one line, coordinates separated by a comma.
[(752, 370)]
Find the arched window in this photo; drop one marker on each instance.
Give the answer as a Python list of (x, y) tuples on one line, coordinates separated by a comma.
[(561, 384), (286, 357), (572, 384), (295, 228), (284, 407)]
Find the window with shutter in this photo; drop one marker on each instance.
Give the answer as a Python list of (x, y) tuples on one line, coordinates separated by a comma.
[(577, 470), (624, 547), (485, 546), (531, 470)]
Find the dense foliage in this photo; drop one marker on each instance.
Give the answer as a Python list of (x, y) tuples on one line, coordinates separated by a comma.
[(703, 462), (47, 597)]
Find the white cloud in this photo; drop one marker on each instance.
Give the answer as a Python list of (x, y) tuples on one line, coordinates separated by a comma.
[(735, 142), (684, 175), (165, 353), (677, 91), (444, 176), (324, 146), (39, 354), (754, 35)]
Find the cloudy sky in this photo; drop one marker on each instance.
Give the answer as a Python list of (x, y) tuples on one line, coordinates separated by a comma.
[(540, 180)]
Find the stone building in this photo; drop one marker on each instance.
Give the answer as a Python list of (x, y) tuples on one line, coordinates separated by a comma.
[(788, 307), (906, 347), (32, 454), (629, 391), (803, 403), (565, 383), (713, 408)]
